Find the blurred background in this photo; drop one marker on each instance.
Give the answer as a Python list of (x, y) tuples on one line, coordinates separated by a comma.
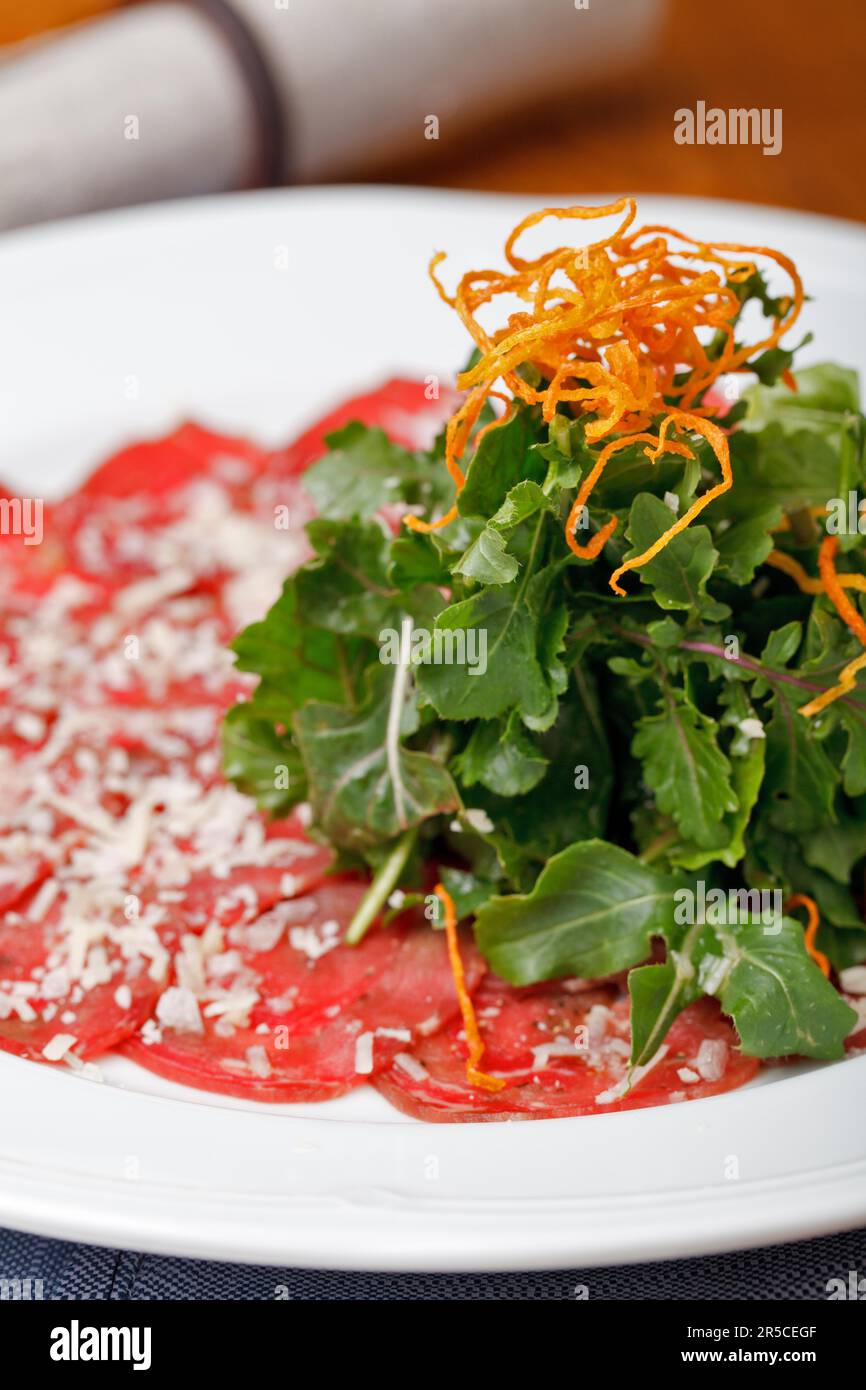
[(105, 104)]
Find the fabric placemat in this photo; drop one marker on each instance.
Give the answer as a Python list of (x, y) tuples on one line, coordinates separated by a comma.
[(799, 1270)]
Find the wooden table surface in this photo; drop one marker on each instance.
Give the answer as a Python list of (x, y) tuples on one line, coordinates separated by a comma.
[(807, 57)]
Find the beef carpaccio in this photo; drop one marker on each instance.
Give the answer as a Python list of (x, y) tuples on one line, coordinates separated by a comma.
[(147, 906)]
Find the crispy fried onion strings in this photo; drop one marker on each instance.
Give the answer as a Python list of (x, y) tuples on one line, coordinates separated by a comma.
[(613, 329)]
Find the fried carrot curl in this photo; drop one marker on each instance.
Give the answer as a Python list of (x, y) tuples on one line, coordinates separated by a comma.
[(848, 613), (474, 1041), (807, 583), (612, 332), (813, 923)]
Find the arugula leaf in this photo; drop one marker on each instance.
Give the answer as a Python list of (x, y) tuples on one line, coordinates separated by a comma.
[(765, 980), (502, 756), (777, 996), (755, 287), (824, 391), (522, 502), (591, 913), (659, 993), (630, 473), (835, 849), (504, 619), (800, 779), (571, 801), (487, 560), (794, 470), (687, 770), (365, 785), (747, 774), (415, 559), (744, 547), (501, 461), (346, 588), (295, 660), (679, 573), (260, 762), (779, 858), (467, 891), (363, 471), (852, 718)]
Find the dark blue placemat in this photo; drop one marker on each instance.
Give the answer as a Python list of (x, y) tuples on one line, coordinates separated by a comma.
[(800, 1270)]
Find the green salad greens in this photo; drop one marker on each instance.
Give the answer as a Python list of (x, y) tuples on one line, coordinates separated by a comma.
[(594, 775)]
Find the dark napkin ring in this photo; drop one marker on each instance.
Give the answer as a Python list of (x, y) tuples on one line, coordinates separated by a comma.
[(270, 159)]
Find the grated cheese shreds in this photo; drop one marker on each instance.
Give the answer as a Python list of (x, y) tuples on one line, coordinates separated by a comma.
[(364, 1054), (712, 1059), (411, 1066), (113, 797), (56, 1049), (631, 1078)]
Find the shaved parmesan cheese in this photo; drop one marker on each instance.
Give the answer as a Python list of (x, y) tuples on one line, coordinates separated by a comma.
[(13, 1001), (151, 1033), (617, 1091), (97, 970), (686, 1074), (853, 980), (257, 1058), (232, 1008), (364, 1054), (597, 1022), (751, 728), (147, 593), (57, 1047), (314, 942), (858, 1003), (227, 963), (29, 726), (712, 973), (123, 997), (561, 1046), (88, 1071), (45, 898), (264, 934), (712, 1058), (411, 1066), (56, 983), (178, 1008)]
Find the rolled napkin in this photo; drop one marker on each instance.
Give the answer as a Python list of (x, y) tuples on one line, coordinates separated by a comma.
[(167, 99)]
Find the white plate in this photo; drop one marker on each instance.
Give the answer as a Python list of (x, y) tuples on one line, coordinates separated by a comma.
[(117, 326)]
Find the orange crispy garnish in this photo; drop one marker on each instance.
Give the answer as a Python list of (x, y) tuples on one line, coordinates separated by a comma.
[(613, 327), (810, 584), (785, 522), (848, 613), (833, 588), (474, 1041), (803, 900)]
